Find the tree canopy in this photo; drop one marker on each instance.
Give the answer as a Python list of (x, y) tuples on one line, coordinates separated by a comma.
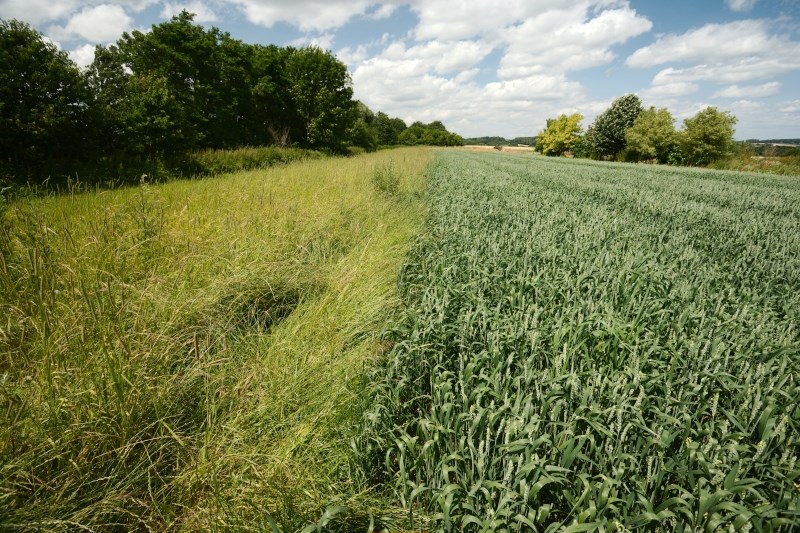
[(178, 87), (433, 134), (559, 135), (707, 136), (43, 98), (606, 136), (652, 135)]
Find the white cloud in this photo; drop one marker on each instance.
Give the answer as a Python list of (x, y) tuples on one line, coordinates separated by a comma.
[(437, 75), (83, 55), (670, 90), (383, 12), (99, 24), (308, 15), (749, 91), (38, 11), (741, 5), (735, 71), (710, 43), (581, 41), (202, 12), (351, 57), (324, 41), (791, 107), (43, 11)]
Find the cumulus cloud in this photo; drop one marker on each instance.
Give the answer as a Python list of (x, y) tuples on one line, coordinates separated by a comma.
[(436, 73), (43, 11), (568, 40), (203, 13), (749, 91), (308, 15), (741, 5), (324, 41), (710, 43), (83, 55), (99, 24), (671, 90), (733, 72)]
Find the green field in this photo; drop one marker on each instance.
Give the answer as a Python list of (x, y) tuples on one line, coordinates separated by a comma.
[(595, 346), (570, 345)]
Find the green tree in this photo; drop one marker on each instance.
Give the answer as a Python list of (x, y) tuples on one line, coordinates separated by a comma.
[(274, 115), (707, 136), (607, 134), (559, 135), (43, 99), (321, 91), (388, 128), (364, 133), (433, 134), (652, 135)]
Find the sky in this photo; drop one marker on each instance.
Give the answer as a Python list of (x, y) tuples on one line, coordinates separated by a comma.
[(495, 67)]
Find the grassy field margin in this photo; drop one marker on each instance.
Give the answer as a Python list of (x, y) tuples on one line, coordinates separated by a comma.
[(189, 356)]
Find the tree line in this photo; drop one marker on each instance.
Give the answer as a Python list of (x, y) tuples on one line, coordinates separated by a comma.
[(628, 132), (177, 88)]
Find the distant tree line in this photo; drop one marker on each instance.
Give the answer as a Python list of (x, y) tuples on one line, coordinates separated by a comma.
[(500, 141), (628, 132), (177, 88)]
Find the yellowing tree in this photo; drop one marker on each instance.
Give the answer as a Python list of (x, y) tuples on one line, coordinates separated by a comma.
[(560, 134)]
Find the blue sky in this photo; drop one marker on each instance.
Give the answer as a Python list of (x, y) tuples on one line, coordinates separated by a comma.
[(502, 67)]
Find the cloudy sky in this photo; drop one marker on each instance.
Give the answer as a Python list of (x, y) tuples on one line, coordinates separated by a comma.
[(495, 67)]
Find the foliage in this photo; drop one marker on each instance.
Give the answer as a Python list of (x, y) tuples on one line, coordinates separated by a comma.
[(186, 356), (594, 346), (321, 91), (607, 132), (652, 135), (433, 134), (388, 129), (559, 135), (707, 136), (43, 99), (364, 132), (155, 95)]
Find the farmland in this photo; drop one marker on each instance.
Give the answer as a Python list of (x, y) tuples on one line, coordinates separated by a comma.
[(588, 345), (569, 345)]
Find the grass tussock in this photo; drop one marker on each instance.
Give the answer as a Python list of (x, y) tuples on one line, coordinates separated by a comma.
[(189, 356)]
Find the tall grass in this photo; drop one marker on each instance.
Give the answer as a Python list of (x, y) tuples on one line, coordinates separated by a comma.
[(590, 346), (188, 356)]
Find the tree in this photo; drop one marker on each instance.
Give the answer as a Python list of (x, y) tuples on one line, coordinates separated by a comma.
[(607, 134), (433, 134), (43, 99), (388, 129), (707, 136), (652, 135), (363, 133), (321, 91), (559, 135)]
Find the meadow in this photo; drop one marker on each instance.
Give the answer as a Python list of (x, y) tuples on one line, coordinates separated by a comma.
[(594, 346), (190, 355)]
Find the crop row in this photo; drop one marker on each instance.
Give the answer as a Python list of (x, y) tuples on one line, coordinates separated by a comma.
[(591, 345)]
